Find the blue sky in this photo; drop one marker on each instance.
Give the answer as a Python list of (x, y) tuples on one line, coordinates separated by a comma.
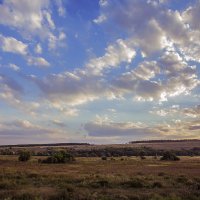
[(99, 71)]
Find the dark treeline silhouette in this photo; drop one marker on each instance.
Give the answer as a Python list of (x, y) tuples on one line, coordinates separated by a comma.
[(47, 145), (146, 151), (109, 152), (163, 141)]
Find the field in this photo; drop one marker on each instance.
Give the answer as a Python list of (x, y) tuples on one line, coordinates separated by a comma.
[(120, 178)]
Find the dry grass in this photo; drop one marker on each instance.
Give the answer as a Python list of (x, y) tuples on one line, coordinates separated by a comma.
[(93, 178)]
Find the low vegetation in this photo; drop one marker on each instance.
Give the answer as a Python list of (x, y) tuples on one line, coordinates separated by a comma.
[(58, 157), (124, 178), (24, 156), (169, 156)]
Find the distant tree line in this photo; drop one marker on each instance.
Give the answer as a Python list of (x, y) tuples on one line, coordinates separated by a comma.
[(109, 152), (45, 145), (163, 141), (145, 151)]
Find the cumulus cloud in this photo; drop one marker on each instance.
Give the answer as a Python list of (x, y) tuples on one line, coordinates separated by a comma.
[(145, 84), (14, 67), (9, 85), (71, 88), (151, 29), (56, 41), (12, 45), (100, 19), (38, 49), (138, 130), (103, 3), (11, 92), (38, 61), (186, 112), (61, 9), (150, 25), (121, 51), (104, 127), (31, 19), (59, 123), (28, 16), (18, 130)]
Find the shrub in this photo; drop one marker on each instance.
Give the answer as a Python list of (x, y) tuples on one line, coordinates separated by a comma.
[(24, 156), (59, 157), (142, 157), (103, 158), (134, 183), (169, 156), (157, 185)]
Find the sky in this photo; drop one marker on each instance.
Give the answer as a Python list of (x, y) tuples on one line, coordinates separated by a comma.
[(99, 71)]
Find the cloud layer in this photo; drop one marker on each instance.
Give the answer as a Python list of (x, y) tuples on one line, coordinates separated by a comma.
[(65, 67)]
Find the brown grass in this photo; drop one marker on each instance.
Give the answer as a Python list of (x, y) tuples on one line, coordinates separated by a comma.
[(93, 178)]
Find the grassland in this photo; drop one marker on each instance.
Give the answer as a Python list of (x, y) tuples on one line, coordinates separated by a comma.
[(120, 178)]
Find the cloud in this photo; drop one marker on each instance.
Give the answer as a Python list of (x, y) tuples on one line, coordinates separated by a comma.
[(71, 88), (38, 61), (146, 70), (38, 49), (9, 85), (121, 51), (137, 130), (14, 67), (103, 3), (186, 112), (11, 45), (111, 129), (100, 19), (22, 128), (11, 92), (144, 81), (59, 123), (24, 131), (31, 19), (61, 10), (152, 26), (56, 41), (191, 16), (25, 15)]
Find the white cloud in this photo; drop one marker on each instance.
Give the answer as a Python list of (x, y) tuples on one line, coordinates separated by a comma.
[(38, 49), (137, 130), (123, 129), (182, 112), (71, 88), (14, 67), (49, 19), (56, 41), (30, 18), (11, 93), (100, 19), (38, 61), (191, 16), (61, 9), (103, 3), (59, 123), (146, 70), (26, 15), (121, 51), (11, 45)]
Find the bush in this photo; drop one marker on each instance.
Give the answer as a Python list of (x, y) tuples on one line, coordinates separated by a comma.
[(142, 157), (59, 157), (24, 156), (134, 183), (169, 156), (103, 158), (157, 185)]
